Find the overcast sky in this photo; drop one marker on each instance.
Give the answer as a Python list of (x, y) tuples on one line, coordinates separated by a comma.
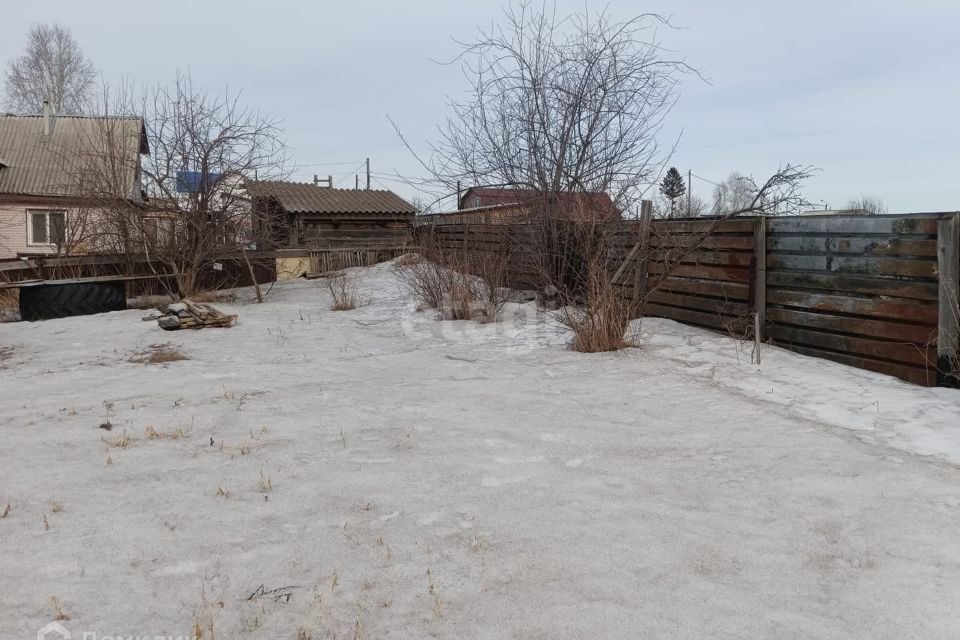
[(865, 91)]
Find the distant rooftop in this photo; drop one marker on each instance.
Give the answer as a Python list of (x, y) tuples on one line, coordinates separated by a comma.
[(304, 197)]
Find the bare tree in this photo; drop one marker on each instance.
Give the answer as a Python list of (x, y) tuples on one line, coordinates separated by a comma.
[(696, 205), (870, 205), (561, 104), (204, 150), (570, 109), (53, 68)]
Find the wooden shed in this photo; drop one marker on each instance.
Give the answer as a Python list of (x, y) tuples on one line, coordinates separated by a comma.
[(304, 216)]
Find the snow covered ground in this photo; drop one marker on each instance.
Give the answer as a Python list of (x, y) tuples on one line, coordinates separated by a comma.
[(377, 473)]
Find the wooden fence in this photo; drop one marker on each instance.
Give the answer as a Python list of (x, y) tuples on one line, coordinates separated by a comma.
[(230, 271), (877, 292)]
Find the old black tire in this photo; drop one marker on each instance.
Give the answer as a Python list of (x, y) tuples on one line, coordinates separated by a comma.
[(47, 301)]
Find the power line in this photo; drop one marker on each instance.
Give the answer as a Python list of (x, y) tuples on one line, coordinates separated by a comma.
[(324, 164), (706, 180)]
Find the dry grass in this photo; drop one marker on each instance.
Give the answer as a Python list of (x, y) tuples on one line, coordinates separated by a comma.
[(343, 291), (223, 493), (176, 434), (266, 484), (407, 260), (56, 507), (437, 602), (148, 302), (58, 613), (122, 441), (214, 296), (6, 511), (9, 301), (159, 354), (602, 319)]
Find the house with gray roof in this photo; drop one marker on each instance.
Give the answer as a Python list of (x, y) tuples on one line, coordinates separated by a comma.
[(51, 178)]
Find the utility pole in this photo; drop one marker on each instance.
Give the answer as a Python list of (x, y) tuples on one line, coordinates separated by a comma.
[(368, 174), (689, 191), (356, 184)]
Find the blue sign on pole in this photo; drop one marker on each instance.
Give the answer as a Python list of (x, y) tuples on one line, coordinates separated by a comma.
[(195, 181)]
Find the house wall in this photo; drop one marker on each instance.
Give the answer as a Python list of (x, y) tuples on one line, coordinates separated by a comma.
[(82, 226), (13, 230)]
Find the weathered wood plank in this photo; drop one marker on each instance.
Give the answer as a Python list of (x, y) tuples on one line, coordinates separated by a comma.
[(700, 318), (726, 274), (916, 375), (888, 329), (699, 303), (907, 310), (724, 258), (948, 295), (902, 267), (716, 242), (866, 246), (901, 352), (760, 276), (912, 289), (734, 225), (856, 225), (713, 288)]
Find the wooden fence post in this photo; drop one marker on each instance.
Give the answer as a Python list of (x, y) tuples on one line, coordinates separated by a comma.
[(760, 275), (640, 266), (948, 325)]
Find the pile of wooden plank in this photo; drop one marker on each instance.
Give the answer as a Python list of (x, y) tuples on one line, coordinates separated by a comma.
[(187, 314)]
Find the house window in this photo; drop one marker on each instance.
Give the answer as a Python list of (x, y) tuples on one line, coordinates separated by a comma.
[(47, 227)]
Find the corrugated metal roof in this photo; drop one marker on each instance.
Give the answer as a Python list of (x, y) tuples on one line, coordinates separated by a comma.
[(36, 164), (304, 197), (479, 197)]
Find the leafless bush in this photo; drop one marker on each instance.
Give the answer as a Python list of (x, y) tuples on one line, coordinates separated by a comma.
[(343, 290), (601, 320), (460, 285), (424, 280), (952, 365)]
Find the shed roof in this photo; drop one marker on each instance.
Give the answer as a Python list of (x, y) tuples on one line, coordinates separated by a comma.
[(32, 163), (304, 197)]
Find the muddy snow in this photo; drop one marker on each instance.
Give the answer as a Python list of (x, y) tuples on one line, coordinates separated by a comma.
[(378, 473)]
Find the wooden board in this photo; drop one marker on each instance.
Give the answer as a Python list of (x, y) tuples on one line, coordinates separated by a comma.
[(896, 309), (917, 375), (853, 225), (919, 334), (829, 282), (863, 246), (855, 265), (900, 352), (733, 291), (699, 303)]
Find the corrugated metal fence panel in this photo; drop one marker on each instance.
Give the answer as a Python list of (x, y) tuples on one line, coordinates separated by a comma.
[(857, 290)]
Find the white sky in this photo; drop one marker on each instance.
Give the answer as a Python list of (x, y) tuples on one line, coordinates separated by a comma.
[(865, 91)]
